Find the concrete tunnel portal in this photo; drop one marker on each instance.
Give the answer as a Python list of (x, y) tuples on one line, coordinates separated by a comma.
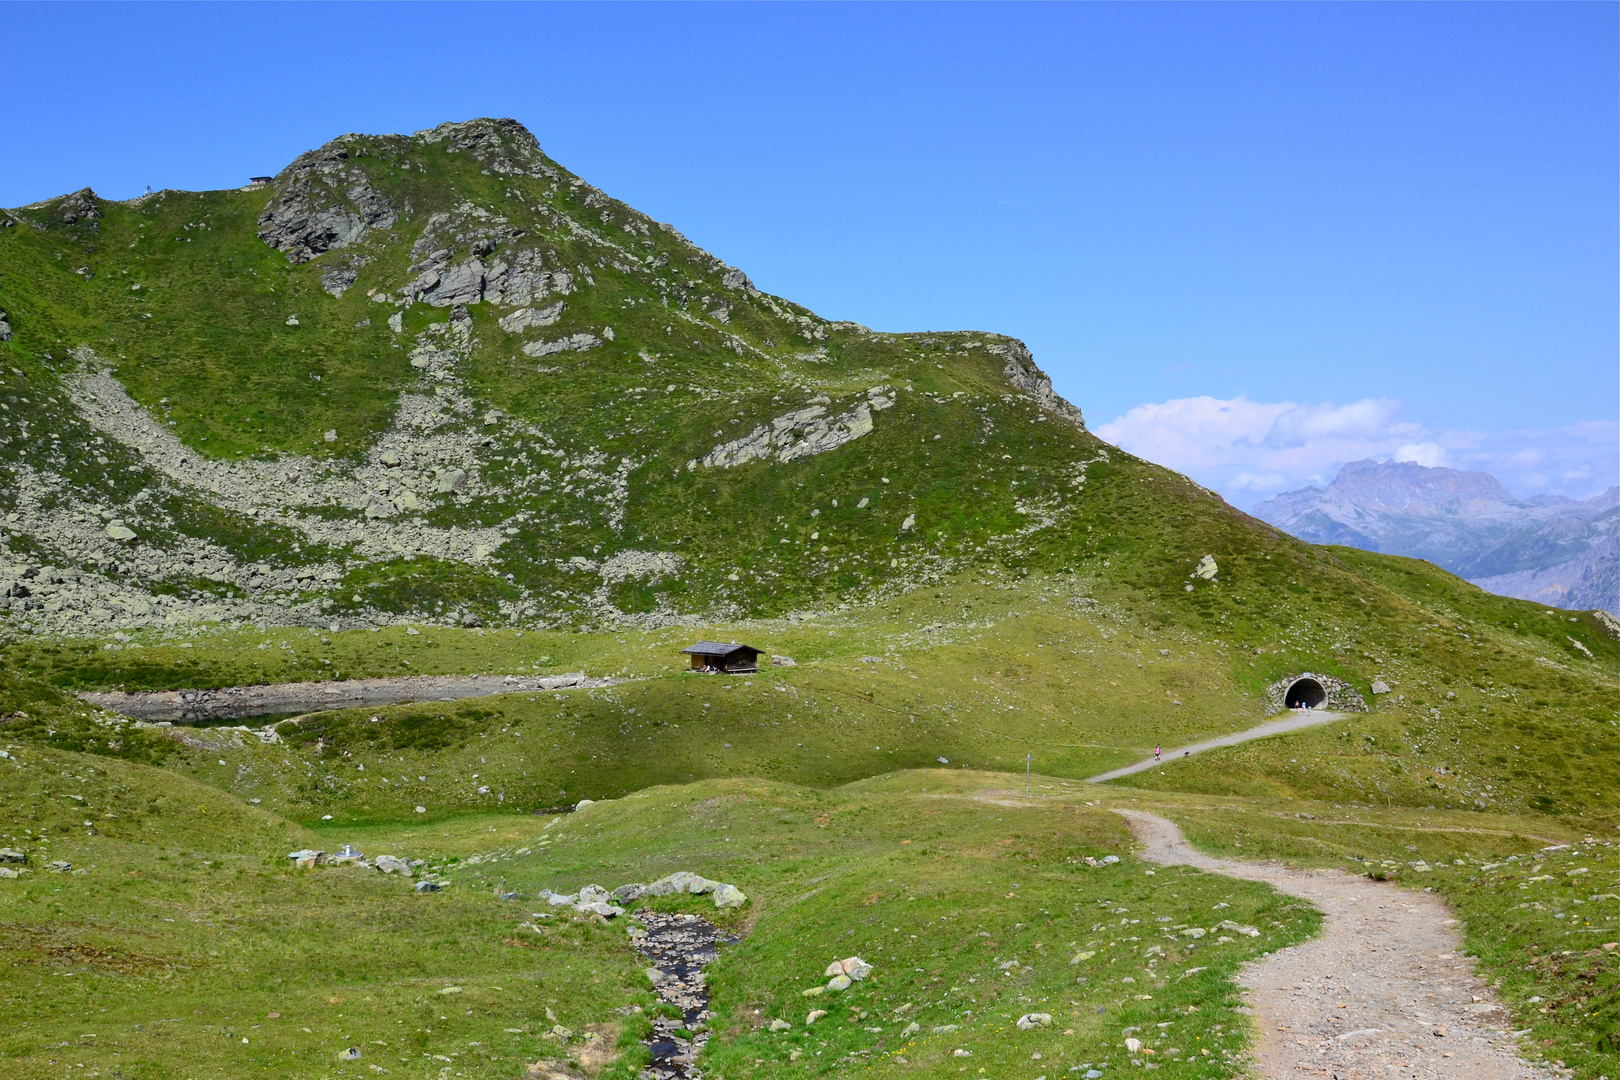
[(1304, 693)]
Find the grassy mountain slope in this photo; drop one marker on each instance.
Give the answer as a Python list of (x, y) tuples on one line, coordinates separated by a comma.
[(424, 382)]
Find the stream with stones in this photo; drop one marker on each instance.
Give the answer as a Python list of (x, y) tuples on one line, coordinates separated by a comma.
[(678, 945)]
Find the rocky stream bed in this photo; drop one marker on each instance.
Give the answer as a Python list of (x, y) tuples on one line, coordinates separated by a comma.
[(679, 946)]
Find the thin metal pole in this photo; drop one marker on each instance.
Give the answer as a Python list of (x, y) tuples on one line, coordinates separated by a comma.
[(1027, 759)]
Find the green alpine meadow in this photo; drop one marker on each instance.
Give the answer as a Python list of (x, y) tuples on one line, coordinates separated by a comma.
[(358, 531)]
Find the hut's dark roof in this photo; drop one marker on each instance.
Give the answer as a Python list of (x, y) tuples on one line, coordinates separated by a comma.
[(715, 648)]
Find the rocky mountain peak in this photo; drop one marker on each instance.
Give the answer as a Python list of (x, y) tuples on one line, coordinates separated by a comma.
[(1400, 484), (1550, 549)]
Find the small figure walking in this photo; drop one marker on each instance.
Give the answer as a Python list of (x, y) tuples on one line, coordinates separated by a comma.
[(1158, 751)]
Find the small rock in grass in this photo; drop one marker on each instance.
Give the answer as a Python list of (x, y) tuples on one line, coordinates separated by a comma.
[(1031, 1021), (351, 1054), (815, 1014), (729, 896), (959, 1052), (839, 982), (780, 1025), (1133, 1045), (428, 886), (853, 966), (671, 883), (944, 1029)]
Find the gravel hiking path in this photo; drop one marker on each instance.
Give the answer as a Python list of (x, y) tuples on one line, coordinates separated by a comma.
[(280, 699), (1383, 992), (1309, 718)]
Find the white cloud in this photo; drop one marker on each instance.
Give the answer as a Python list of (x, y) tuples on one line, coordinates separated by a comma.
[(1430, 454), (1251, 450)]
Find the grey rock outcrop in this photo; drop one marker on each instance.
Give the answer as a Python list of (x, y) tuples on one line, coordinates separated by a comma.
[(525, 317), (500, 144), (1022, 373), (339, 280), (322, 201), (77, 207), (5, 328), (572, 343), (798, 434)]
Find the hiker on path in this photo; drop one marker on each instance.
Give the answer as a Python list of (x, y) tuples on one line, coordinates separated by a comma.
[(1157, 751)]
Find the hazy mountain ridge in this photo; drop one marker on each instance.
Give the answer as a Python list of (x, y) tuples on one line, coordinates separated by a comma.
[(1550, 549)]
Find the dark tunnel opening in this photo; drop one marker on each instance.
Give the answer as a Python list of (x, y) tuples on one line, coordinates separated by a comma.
[(1304, 694)]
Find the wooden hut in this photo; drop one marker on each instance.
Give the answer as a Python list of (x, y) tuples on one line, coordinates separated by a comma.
[(715, 656)]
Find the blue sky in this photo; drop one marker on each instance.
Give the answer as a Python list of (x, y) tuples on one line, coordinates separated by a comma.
[(1250, 241)]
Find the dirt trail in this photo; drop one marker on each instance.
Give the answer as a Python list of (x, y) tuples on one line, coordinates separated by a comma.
[(276, 699), (1383, 992), (1307, 719)]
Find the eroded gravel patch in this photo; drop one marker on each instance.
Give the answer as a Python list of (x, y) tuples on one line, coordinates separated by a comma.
[(1383, 992)]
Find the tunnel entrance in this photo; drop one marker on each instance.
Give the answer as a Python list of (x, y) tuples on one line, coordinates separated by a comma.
[(1304, 694)]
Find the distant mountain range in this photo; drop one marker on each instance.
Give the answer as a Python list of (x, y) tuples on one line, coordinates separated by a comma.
[(1550, 549)]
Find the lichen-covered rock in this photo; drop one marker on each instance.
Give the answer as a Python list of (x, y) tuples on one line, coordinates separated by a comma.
[(671, 883), (597, 907)]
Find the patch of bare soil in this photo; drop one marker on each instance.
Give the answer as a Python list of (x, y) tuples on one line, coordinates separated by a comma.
[(1383, 992)]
